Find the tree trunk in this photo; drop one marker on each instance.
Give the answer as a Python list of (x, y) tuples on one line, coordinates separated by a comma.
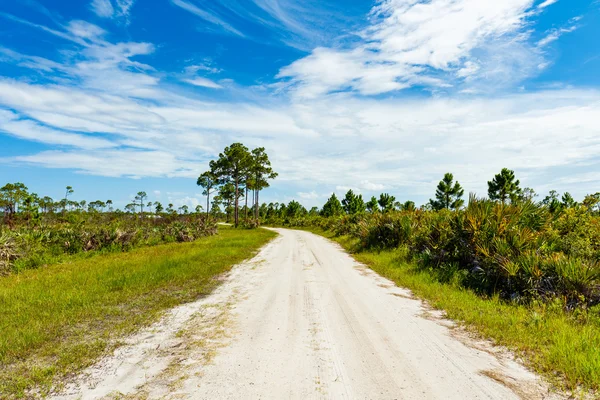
[(237, 203), (256, 206), (246, 200), (207, 202)]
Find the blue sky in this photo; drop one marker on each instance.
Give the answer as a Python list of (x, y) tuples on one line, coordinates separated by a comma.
[(117, 96)]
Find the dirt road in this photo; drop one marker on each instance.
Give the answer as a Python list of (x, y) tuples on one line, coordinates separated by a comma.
[(303, 320)]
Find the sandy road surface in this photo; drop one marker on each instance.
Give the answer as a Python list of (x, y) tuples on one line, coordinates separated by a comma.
[(303, 320)]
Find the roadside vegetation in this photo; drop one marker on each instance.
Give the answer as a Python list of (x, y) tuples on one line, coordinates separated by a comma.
[(521, 271), (77, 276), (38, 231), (59, 319)]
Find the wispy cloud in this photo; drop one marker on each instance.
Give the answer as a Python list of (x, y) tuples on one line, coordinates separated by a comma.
[(104, 110), (206, 16), (204, 82), (546, 3), (435, 43), (115, 9), (102, 8)]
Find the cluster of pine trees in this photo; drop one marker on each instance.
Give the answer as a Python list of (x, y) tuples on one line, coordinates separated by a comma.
[(504, 188), (233, 175)]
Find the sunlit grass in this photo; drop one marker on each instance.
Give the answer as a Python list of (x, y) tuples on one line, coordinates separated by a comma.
[(565, 347), (57, 320)]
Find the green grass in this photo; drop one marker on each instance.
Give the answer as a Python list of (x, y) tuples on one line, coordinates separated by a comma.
[(59, 319), (564, 347)]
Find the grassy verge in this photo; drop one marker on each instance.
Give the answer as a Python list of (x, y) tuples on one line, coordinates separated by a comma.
[(563, 347), (57, 320)]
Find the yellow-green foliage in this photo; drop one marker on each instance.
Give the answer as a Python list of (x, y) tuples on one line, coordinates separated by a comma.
[(57, 320), (522, 252), (563, 346)]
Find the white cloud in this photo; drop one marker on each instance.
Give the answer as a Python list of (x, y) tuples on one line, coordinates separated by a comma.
[(554, 35), (206, 16), (85, 30), (116, 9), (546, 3), (337, 141), (412, 42), (102, 8), (308, 195), (370, 186), (204, 82), (30, 130)]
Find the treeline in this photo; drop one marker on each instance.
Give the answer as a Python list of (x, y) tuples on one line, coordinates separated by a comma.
[(508, 244), (35, 231)]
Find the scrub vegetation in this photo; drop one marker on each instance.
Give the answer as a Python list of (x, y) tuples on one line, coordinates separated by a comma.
[(521, 271)]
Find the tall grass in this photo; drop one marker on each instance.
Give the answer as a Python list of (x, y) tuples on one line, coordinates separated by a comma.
[(59, 319)]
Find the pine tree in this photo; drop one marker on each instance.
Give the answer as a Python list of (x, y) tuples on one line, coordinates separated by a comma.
[(504, 187), (448, 194), (372, 205), (386, 202), (353, 204), (332, 207)]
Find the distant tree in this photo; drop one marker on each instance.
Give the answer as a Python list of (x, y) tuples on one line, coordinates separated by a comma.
[(552, 201), (527, 194), (295, 209), (140, 198), (408, 206), (591, 201), (504, 186), (130, 208), (332, 207), (208, 182), (109, 203), (231, 167), (11, 196), (198, 209), (313, 212), (170, 208), (260, 172), (69, 191), (184, 209), (372, 205), (353, 204), (93, 206), (31, 209), (568, 201), (47, 204), (386, 202), (158, 207), (448, 194)]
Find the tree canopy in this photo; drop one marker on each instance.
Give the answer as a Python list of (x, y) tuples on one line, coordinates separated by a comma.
[(504, 186), (448, 194)]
